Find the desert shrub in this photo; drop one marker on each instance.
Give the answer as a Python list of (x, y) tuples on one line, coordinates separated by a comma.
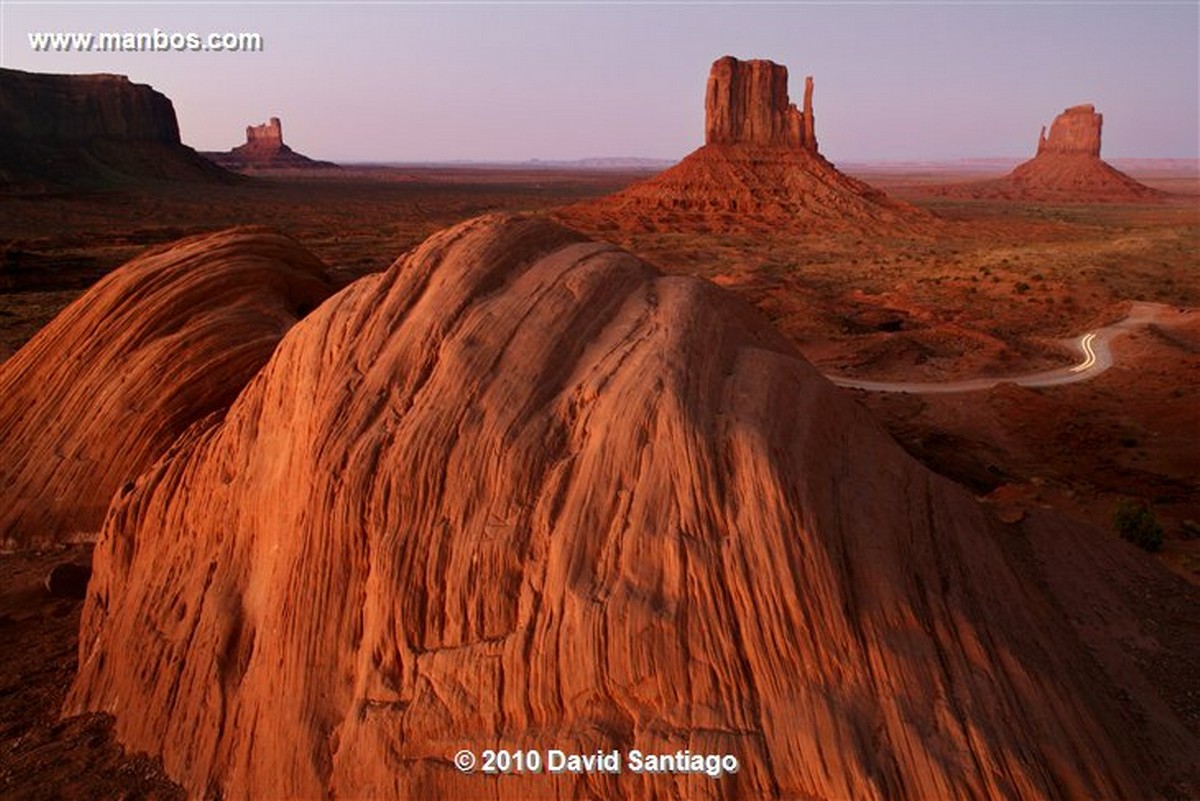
[(1191, 530), (1135, 522), (1022, 287)]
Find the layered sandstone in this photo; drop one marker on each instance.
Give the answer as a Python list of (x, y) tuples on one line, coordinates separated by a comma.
[(101, 393), (523, 491), (758, 170), (264, 149), (1066, 168), (747, 104), (89, 128), (1076, 130)]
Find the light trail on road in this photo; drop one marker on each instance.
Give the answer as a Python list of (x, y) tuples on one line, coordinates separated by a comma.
[(1093, 346)]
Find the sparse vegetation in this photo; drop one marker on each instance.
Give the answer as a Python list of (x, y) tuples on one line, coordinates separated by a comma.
[(1135, 522), (1191, 530)]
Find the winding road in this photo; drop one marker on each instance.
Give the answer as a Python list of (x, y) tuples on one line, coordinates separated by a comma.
[(1094, 347)]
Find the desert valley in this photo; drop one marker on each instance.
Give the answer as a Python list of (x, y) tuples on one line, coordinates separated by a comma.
[(881, 480)]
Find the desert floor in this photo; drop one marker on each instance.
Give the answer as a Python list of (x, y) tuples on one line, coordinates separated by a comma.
[(990, 289)]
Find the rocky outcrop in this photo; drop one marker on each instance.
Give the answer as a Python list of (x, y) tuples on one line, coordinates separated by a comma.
[(81, 129), (758, 170), (747, 104), (101, 393), (522, 491), (1067, 168), (264, 150), (266, 138), (1076, 130)]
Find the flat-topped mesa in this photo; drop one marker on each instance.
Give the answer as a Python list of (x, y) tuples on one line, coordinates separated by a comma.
[(1076, 130), (90, 130), (747, 103)]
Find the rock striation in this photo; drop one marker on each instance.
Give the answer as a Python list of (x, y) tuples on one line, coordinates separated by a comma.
[(163, 341), (81, 129), (1076, 130), (523, 491), (759, 169), (747, 103), (265, 150), (1067, 168)]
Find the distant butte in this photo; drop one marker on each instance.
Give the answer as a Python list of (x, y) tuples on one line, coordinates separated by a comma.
[(1066, 169), (265, 150), (758, 169)]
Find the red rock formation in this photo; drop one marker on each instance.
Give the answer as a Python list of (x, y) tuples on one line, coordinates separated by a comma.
[(267, 137), (759, 169), (1066, 169), (747, 104), (1076, 130), (264, 150), (89, 128), (523, 491), (100, 393)]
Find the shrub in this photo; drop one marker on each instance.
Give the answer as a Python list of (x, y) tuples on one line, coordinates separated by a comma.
[(1136, 523)]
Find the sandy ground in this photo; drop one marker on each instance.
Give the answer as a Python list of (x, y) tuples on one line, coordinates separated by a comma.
[(41, 756)]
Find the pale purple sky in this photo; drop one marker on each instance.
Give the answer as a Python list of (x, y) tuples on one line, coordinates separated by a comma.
[(514, 81)]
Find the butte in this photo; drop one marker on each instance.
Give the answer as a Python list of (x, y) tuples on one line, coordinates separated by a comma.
[(265, 149), (759, 169), (1066, 169)]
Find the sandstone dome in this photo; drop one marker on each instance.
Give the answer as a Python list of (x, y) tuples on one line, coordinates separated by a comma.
[(161, 342), (521, 490)]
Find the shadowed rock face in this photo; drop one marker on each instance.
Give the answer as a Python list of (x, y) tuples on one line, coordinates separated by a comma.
[(78, 108), (86, 128), (523, 491), (759, 170), (101, 392)]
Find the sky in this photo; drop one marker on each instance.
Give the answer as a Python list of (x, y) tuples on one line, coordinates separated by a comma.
[(430, 81)]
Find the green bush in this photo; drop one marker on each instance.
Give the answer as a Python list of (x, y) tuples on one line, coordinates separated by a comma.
[(1136, 523)]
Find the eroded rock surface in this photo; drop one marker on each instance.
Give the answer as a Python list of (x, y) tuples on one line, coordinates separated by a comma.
[(747, 103), (523, 491), (1076, 130), (103, 390)]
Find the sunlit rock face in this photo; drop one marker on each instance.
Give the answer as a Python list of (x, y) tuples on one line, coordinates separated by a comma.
[(759, 170), (1067, 168), (161, 342), (523, 491)]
